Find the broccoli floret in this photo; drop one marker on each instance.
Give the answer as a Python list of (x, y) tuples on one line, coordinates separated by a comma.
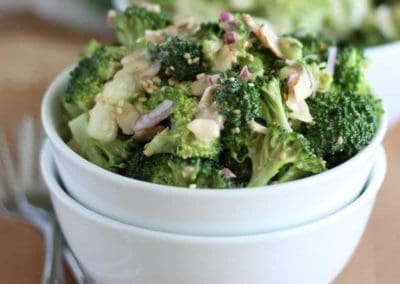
[(243, 39), (290, 47), (111, 156), (226, 47), (315, 47), (277, 150), (89, 77), (90, 48), (234, 93), (239, 103), (241, 169), (180, 59), (211, 37), (242, 102), (132, 23), (263, 60), (343, 124), (349, 73), (178, 139), (184, 105), (210, 30), (274, 107), (255, 65), (171, 170), (181, 142)]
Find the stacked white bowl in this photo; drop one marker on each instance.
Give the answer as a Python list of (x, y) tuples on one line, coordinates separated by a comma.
[(128, 231)]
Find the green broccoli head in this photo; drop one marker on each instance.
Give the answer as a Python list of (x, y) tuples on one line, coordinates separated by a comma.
[(89, 77), (178, 139), (181, 142), (225, 44), (180, 59), (278, 151), (132, 23), (111, 156), (171, 170), (343, 124), (184, 106), (255, 64), (243, 38), (90, 48), (210, 30), (349, 72), (210, 36), (241, 169), (315, 47), (239, 103)]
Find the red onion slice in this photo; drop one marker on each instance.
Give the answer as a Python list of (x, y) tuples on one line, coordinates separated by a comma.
[(227, 21), (213, 79), (244, 73), (154, 117), (225, 16), (227, 173), (230, 37), (330, 64)]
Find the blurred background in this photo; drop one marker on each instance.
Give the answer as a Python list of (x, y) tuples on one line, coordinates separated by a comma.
[(39, 38)]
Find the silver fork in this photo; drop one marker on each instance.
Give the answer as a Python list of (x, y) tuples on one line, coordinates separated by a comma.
[(16, 182)]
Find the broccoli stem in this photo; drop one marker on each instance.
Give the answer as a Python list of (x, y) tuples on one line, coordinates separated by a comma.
[(291, 174), (263, 176)]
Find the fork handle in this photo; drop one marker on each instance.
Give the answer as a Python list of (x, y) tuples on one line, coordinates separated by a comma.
[(58, 271), (74, 265)]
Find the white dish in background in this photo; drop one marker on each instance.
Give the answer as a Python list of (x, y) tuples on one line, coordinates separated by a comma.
[(114, 253), (384, 76), (203, 211)]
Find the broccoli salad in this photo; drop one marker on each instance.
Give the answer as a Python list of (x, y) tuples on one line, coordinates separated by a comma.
[(221, 104)]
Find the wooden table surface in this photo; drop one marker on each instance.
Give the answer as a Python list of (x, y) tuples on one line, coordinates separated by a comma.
[(32, 52)]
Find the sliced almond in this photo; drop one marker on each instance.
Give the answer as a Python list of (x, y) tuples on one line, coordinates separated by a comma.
[(300, 86), (265, 34), (270, 40), (224, 59), (299, 109), (256, 127), (208, 94), (199, 86), (204, 128), (206, 110), (251, 23), (299, 83), (184, 22), (155, 37)]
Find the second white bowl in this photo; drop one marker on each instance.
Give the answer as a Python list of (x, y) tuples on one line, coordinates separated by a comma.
[(114, 253), (203, 211)]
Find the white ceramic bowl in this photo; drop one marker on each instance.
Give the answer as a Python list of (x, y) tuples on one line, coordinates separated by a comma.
[(203, 211), (115, 253)]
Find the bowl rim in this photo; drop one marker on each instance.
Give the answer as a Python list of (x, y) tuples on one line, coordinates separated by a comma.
[(50, 174), (61, 80)]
